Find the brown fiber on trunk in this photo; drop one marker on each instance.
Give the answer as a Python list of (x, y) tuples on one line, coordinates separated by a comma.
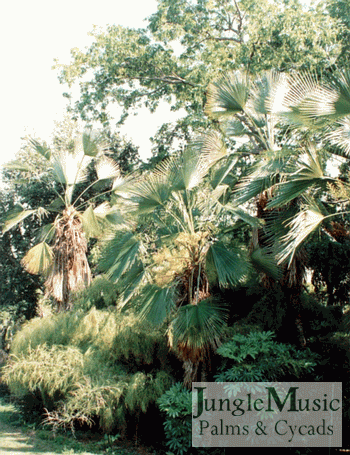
[(70, 270)]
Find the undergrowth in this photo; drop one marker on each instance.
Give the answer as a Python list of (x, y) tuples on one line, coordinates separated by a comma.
[(88, 368)]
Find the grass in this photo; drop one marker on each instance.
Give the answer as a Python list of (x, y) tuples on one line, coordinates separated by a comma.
[(17, 438)]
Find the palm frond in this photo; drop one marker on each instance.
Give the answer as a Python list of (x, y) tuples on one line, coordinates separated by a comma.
[(90, 143), (131, 284), (243, 215), (228, 96), (196, 327), (106, 168), (188, 170), (157, 303), (340, 136), (300, 227), (149, 193), (268, 93), (18, 214), (264, 175), (57, 205), (119, 255), (309, 102), (219, 175), (91, 223), (230, 266), (234, 128), (340, 84), (264, 261), (38, 259), (70, 168), (308, 174), (46, 233), (43, 150)]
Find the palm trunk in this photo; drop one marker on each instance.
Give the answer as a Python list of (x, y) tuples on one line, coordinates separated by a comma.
[(291, 327), (70, 271)]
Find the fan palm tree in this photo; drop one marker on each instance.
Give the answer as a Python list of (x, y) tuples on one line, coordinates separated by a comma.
[(284, 165), (325, 115), (168, 266), (60, 253)]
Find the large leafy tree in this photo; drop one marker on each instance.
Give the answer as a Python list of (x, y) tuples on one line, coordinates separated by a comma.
[(187, 44), (61, 245)]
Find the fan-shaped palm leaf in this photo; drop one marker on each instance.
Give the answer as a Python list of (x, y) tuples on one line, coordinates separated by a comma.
[(230, 266), (17, 215), (120, 254), (157, 303), (228, 96), (106, 168), (90, 143), (340, 84), (308, 173), (43, 150), (264, 260), (38, 259), (46, 233), (219, 175), (198, 326), (300, 227), (340, 137), (266, 173)]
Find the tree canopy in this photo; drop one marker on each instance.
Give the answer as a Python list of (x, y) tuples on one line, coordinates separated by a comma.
[(186, 45)]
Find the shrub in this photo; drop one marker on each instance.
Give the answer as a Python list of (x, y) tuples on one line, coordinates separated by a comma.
[(257, 357), (177, 404), (88, 367), (119, 337)]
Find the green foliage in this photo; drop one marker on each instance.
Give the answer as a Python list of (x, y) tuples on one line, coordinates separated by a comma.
[(101, 294), (11, 318), (118, 337), (215, 37), (177, 404), (257, 357), (71, 179), (329, 258), (89, 366), (319, 320), (17, 287)]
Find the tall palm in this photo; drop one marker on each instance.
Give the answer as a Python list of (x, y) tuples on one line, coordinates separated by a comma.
[(60, 253), (282, 163), (167, 263), (325, 115)]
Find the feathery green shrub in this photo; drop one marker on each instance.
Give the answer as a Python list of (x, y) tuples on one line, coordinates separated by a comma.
[(89, 367), (117, 336)]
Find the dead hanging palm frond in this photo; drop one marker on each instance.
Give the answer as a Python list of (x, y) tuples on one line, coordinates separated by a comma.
[(70, 270)]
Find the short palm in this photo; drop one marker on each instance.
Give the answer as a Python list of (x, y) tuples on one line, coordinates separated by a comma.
[(168, 266)]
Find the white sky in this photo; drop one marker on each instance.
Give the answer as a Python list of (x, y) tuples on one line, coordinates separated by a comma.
[(35, 32)]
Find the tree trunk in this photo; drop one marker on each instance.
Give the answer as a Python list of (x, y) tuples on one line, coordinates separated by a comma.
[(70, 271)]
